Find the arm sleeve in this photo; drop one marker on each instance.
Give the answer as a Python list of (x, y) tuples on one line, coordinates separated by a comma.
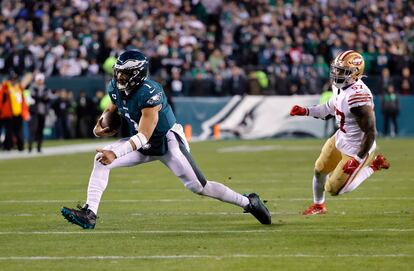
[(322, 110)]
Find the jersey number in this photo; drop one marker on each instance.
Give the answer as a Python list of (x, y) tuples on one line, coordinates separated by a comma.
[(342, 121), (131, 120)]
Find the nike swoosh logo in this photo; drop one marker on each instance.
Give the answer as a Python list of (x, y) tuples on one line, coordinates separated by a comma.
[(152, 90)]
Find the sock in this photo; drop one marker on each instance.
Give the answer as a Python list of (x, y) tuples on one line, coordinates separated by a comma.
[(97, 185), (318, 183), (223, 193), (358, 179)]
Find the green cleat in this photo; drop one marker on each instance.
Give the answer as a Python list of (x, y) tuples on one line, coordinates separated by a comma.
[(83, 217), (258, 209)]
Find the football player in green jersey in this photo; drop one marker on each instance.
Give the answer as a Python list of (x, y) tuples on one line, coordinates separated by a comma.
[(157, 136)]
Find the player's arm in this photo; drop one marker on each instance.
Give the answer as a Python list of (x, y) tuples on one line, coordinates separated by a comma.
[(365, 118), (146, 127), (317, 111), (98, 131)]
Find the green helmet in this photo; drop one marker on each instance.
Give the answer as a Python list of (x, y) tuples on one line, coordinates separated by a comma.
[(130, 70)]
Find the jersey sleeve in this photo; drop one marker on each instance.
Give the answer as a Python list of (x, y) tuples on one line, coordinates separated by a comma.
[(153, 95), (322, 110), (360, 98)]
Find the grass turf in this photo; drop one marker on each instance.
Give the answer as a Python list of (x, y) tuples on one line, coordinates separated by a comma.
[(148, 221)]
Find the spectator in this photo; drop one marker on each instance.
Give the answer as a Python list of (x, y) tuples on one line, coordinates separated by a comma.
[(61, 108), (383, 83), (40, 97), (216, 60), (85, 116), (237, 82), (281, 84), (84, 37), (6, 114), (175, 84), (390, 111), (13, 97), (405, 81)]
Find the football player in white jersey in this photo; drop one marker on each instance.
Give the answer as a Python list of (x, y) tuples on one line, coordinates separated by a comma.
[(347, 158)]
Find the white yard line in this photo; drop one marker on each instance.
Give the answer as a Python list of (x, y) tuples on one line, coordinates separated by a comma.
[(197, 256), (263, 148), (35, 201), (97, 232), (163, 214), (58, 150)]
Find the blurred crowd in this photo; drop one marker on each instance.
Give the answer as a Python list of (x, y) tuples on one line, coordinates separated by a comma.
[(212, 47), (196, 48)]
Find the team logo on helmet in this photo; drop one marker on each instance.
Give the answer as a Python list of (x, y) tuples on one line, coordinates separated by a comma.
[(357, 61)]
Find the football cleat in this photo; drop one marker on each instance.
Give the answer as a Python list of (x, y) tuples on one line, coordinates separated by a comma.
[(380, 162), (83, 217), (316, 209), (257, 208)]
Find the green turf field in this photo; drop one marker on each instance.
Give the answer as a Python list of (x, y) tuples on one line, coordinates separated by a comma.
[(148, 221)]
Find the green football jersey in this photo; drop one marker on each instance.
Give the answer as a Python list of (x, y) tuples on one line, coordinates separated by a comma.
[(149, 94)]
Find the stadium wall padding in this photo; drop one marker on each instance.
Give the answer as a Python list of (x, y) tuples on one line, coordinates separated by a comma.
[(250, 117)]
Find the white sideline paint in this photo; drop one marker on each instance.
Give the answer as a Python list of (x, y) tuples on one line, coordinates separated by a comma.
[(247, 148), (197, 256), (58, 150), (39, 201), (97, 232)]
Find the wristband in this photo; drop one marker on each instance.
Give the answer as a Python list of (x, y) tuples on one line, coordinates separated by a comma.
[(139, 140)]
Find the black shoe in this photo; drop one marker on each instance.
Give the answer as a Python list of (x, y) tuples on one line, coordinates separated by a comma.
[(257, 208), (82, 217)]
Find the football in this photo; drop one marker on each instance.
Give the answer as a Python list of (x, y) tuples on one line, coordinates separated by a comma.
[(111, 120)]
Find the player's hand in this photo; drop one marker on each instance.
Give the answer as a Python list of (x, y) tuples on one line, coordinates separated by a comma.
[(98, 131), (298, 111), (106, 157), (350, 166)]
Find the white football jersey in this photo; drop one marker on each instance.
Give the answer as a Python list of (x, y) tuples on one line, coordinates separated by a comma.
[(349, 135)]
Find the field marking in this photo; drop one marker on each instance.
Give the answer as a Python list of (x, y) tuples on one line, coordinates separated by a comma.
[(197, 256), (203, 199), (85, 232), (263, 148), (57, 150), (214, 213)]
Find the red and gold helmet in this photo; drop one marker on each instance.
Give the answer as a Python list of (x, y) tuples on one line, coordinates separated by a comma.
[(347, 68)]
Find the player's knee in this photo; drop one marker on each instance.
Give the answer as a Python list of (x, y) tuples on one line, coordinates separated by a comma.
[(319, 166), (194, 186)]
